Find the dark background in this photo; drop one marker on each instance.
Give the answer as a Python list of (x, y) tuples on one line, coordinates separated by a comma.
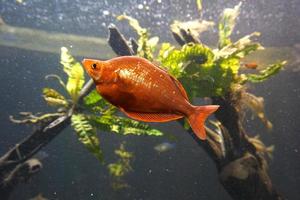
[(186, 172)]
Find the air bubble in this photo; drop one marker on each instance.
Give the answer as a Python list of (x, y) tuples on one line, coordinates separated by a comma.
[(105, 12), (140, 6)]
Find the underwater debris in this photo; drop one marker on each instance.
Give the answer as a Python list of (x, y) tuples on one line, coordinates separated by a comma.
[(164, 147), (39, 197), (256, 104), (261, 148)]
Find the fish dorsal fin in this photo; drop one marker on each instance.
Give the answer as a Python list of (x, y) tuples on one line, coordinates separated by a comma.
[(177, 83), (151, 117), (180, 87), (157, 64)]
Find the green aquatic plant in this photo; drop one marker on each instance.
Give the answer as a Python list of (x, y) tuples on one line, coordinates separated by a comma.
[(54, 98), (266, 73), (226, 24), (207, 72), (121, 167), (87, 134)]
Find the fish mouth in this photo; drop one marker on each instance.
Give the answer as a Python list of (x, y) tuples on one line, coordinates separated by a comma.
[(86, 63)]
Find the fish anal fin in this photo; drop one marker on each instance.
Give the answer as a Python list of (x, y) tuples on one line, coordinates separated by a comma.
[(152, 117), (180, 87)]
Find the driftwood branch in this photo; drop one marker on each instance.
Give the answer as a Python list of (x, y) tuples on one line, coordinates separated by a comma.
[(118, 42), (242, 171), (16, 165)]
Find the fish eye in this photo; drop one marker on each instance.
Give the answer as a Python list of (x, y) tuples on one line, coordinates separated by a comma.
[(94, 66)]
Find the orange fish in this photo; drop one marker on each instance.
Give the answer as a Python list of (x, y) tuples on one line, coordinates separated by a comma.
[(251, 65), (145, 92)]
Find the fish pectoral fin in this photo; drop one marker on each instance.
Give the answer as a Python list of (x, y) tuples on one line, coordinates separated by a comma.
[(151, 117)]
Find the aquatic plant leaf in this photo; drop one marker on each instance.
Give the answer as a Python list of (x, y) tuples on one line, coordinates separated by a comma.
[(152, 42), (116, 169), (133, 23), (164, 51), (95, 103), (58, 78), (87, 135), (266, 73), (30, 118), (122, 166), (92, 98), (199, 5), (178, 61), (240, 48), (226, 25), (131, 127), (146, 46), (172, 60), (123, 126), (198, 70), (74, 71), (198, 54), (123, 153), (54, 98), (194, 27)]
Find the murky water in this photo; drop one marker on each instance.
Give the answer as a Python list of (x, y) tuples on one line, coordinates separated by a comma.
[(183, 172)]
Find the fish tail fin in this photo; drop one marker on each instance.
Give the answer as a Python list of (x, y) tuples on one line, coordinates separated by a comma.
[(198, 117)]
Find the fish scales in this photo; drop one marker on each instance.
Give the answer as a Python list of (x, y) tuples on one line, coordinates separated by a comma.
[(153, 81)]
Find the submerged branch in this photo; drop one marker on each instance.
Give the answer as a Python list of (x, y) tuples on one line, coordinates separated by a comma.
[(242, 171), (12, 163), (118, 43)]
